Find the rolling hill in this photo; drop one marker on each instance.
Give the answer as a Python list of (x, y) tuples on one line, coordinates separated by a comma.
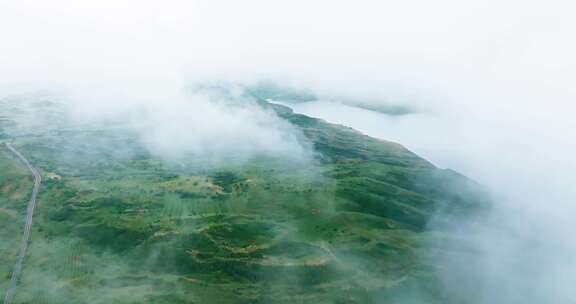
[(358, 223)]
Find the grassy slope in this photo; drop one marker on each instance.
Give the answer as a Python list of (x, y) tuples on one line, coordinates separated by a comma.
[(15, 188), (122, 227)]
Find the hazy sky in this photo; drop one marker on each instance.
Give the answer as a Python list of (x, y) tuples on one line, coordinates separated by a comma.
[(494, 81)]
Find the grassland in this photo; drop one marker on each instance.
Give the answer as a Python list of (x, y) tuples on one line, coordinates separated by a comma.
[(114, 224), (15, 188)]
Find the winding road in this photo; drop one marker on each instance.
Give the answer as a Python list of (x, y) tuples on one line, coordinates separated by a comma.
[(27, 227)]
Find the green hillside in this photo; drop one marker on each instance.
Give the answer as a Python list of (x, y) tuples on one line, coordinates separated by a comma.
[(115, 224)]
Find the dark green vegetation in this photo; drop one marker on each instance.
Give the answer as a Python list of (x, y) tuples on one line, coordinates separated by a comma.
[(116, 225)]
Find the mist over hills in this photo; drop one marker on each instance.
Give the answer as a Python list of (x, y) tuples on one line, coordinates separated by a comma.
[(110, 99), (341, 218)]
